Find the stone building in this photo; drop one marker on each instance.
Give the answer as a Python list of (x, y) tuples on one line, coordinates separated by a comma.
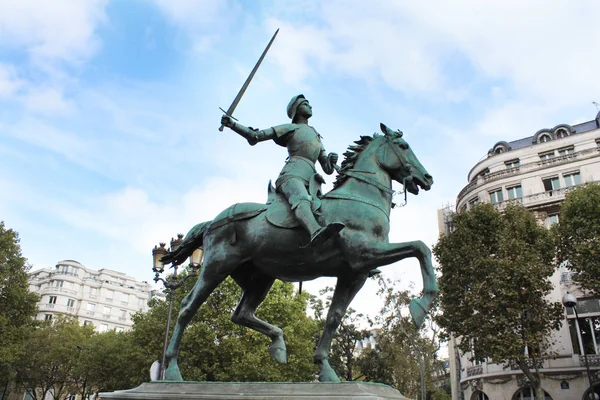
[(103, 298), (536, 171)]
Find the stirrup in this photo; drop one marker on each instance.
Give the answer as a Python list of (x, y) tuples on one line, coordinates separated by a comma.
[(324, 234)]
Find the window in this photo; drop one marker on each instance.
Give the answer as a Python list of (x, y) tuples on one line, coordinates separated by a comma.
[(87, 322), (106, 310), (512, 164), (496, 196), (544, 138), (123, 313), (93, 292), (125, 298), (572, 179), (91, 307), (52, 300), (515, 192), (58, 283), (547, 156), (552, 219), (566, 150), (528, 393), (103, 327), (499, 150), (551, 183), (141, 302), (120, 329), (473, 201), (47, 317), (561, 133), (71, 303), (110, 294)]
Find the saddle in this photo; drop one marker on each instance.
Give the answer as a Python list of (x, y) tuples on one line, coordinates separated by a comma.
[(279, 211)]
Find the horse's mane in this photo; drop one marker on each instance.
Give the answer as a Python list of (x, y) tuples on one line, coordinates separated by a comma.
[(351, 156)]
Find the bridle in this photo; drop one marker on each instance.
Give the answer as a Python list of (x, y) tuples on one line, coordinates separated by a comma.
[(407, 166)]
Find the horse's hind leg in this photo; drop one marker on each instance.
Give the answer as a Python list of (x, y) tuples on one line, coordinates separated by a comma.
[(345, 290), (207, 282), (256, 286)]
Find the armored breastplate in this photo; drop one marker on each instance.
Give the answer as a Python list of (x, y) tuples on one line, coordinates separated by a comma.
[(305, 142)]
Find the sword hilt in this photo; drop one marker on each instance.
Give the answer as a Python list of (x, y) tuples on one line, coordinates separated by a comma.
[(230, 116)]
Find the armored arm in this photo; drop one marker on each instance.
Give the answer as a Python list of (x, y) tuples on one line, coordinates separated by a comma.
[(253, 136), (328, 161)]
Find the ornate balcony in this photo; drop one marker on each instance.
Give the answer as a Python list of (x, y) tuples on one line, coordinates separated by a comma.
[(528, 167), (475, 370)]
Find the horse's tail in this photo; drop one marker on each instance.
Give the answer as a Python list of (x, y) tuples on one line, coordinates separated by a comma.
[(191, 242)]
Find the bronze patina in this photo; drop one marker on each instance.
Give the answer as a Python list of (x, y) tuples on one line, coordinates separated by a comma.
[(250, 243)]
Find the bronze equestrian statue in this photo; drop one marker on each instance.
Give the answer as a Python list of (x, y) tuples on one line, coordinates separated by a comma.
[(258, 243)]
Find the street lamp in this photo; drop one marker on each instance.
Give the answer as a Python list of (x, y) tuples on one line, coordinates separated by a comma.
[(570, 301), (172, 282)]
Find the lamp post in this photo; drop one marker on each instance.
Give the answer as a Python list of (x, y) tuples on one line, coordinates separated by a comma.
[(172, 283), (570, 301)]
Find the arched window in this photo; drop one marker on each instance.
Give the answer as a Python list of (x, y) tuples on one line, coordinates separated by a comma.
[(561, 133), (544, 138), (479, 395), (528, 393)]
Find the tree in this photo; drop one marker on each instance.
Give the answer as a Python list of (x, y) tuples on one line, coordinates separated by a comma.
[(215, 349), (343, 357), (495, 280), (404, 356), (17, 304), (578, 233), (48, 360), (109, 361)]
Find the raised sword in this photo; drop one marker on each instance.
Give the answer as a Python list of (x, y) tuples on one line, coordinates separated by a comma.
[(237, 99)]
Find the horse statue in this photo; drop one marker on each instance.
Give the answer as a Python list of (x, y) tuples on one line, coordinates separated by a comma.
[(247, 245)]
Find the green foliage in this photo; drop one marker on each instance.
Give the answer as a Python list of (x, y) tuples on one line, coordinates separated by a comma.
[(17, 304), (346, 338), (578, 233), (495, 278), (402, 352), (50, 357), (110, 361), (215, 349)]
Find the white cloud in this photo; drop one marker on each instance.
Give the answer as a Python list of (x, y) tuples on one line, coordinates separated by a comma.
[(46, 100), (36, 25), (9, 81)]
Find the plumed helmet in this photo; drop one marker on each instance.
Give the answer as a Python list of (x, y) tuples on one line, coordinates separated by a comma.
[(293, 105)]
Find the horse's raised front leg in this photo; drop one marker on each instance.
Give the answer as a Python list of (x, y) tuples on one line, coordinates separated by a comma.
[(255, 291), (377, 254), (345, 290), (206, 283)]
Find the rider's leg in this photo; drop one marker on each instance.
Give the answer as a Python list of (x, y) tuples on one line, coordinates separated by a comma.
[(295, 192)]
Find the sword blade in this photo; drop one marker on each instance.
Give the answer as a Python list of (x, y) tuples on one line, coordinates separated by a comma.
[(237, 99)]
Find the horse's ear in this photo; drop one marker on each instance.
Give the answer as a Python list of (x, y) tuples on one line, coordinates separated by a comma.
[(386, 131)]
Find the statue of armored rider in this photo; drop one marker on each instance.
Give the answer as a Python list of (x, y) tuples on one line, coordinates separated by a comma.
[(305, 148)]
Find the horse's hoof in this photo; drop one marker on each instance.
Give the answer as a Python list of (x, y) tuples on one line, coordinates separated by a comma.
[(328, 375), (417, 311), (279, 354), (173, 374)]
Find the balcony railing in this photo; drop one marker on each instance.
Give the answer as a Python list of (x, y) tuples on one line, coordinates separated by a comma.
[(475, 370), (566, 278), (528, 167), (59, 289), (593, 360), (539, 361)]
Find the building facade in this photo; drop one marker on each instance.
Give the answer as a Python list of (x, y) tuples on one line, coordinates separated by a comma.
[(105, 298), (536, 171)]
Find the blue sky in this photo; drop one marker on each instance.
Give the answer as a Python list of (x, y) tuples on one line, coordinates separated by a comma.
[(109, 109)]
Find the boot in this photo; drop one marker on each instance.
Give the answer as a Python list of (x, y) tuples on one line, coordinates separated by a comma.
[(318, 234)]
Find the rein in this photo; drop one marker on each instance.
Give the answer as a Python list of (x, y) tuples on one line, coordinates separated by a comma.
[(358, 175)]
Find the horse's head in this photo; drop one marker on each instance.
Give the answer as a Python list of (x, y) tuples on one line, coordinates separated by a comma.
[(398, 159)]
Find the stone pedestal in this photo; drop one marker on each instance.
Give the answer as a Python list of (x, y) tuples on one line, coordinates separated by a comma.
[(257, 391)]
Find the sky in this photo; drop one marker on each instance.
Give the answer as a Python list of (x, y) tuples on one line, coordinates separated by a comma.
[(109, 110)]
